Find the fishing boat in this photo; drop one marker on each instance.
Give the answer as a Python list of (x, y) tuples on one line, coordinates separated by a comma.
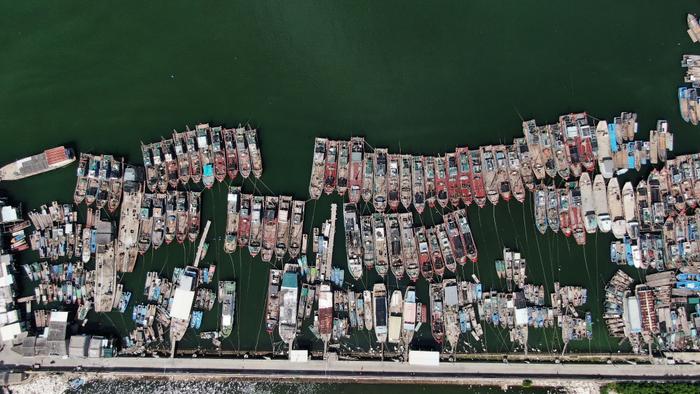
[(86, 236), (296, 231), (490, 170), (269, 232), (394, 245), (600, 201), (438, 263), (564, 202), (195, 159), (417, 175), (171, 166), (170, 216), (380, 311), (478, 188), (467, 235), (514, 175), (244, 220), (325, 313), (534, 148), (561, 152), (160, 166), (343, 167), (464, 174), (357, 149), (367, 189), (243, 153), (158, 235), (571, 136), (394, 182), (331, 167), (381, 263), (369, 315), (424, 259), (289, 298), (380, 174), (181, 212), (228, 135), (590, 217), (643, 207), (116, 185), (353, 240), (504, 186), (180, 308), (437, 326), (553, 208), (630, 211), (318, 165), (619, 228), (151, 173), (82, 179), (395, 317), (206, 155), (232, 217), (450, 312), (575, 215), (405, 181), (284, 212), (429, 177), (103, 189), (446, 248), (521, 149), (218, 153), (441, 190), (272, 306), (409, 248), (409, 316), (455, 238), (453, 184), (251, 138), (146, 226), (228, 306), (194, 204), (547, 149), (368, 252), (183, 160), (540, 204)]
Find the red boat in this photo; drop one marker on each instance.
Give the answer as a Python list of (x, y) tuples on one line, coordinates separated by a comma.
[(452, 179), (454, 235), (465, 175), (441, 181), (564, 204), (231, 155), (478, 189), (587, 156), (219, 154), (329, 179), (244, 220), (426, 268), (575, 221), (357, 149)]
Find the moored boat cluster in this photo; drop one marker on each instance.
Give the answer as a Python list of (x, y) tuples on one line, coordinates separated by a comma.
[(205, 154), (392, 242), (266, 225), (662, 310), (100, 181)]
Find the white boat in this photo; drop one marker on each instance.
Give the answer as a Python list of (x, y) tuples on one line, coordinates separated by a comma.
[(629, 205), (409, 316), (615, 207), (379, 309), (605, 161), (381, 262), (369, 316), (600, 201), (590, 219), (353, 240), (395, 320)]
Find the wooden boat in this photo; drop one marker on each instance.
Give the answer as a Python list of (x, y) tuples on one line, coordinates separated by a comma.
[(256, 225), (478, 188), (244, 164), (437, 325), (455, 238), (429, 177), (405, 181), (218, 153), (564, 200), (343, 167), (409, 247), (393, 182), (445, 247), (251, 138), (453, 184), (514, 175), (318, 166), (367, 177), (353, 240), (244, 220), (158, 236), (553, 208), (116, 184), (504, 187), (195, 159), (441, 181), (381, 263), (438, 262), (146, 226), (467, 235), (232, 218), (331, 167), (379, 193), (357, 149), (368, 250), (171, 165), (183, 159), (521, 149), (284, 212), (82, 180), (297, 229), (417, 175), (464, 172), (424, 258), (228, 136), (194, 204), (182, 217), (269, 232), (490, 170), (170, 216)]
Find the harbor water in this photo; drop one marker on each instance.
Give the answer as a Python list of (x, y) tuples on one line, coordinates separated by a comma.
[(415, 77)]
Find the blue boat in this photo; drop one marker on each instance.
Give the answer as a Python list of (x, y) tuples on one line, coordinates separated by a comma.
[(628, 252), (630, 155), (613, 139), (589, 325), (196, 320), (688, 284), (685, 277), (124, 301), (496, 318), (682, 95), (478, 291), (93, 241), (463, 321)]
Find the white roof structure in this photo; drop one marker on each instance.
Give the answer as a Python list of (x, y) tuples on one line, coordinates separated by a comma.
[(634, 315), (420, 357), (59, 317), (10, 332), (8, 214), (521, 317), (299, 356), (182, 304)]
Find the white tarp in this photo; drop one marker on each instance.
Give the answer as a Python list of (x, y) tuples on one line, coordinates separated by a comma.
[(420, 357)]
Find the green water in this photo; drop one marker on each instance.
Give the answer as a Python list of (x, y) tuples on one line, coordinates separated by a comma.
[(420, 77)]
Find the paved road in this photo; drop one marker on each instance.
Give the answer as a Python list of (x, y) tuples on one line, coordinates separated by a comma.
[(370, 370)]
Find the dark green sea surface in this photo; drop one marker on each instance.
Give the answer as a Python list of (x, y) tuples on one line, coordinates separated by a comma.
[(414, 76)]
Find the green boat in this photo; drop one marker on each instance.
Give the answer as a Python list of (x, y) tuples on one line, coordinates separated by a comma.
[(227, 295)]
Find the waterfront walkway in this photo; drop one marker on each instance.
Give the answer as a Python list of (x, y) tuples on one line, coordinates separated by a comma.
[(369, 371)]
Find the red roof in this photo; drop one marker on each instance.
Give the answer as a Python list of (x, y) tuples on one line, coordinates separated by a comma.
[(55, 155)]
